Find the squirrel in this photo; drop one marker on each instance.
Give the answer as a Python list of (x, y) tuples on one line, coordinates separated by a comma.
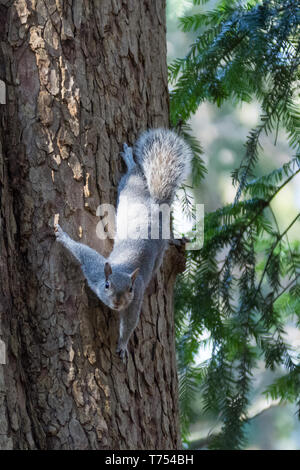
[(162, 163)]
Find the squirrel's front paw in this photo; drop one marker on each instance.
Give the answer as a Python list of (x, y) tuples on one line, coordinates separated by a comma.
[(123, 352), (59, 233)]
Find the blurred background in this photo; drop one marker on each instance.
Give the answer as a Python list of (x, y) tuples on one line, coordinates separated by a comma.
[(222, 133)]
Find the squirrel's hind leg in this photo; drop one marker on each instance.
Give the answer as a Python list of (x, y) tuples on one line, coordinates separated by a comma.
[(127, 156)]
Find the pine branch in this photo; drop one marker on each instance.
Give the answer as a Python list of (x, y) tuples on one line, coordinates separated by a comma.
[(294, 281), (205, 441), (279, 237), (260, 210)]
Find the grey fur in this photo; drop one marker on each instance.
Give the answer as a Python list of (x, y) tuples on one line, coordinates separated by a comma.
[(163, 161)]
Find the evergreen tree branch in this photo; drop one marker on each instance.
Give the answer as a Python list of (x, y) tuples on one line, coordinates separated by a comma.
[(294, 281), (205, 441), (279, 237)]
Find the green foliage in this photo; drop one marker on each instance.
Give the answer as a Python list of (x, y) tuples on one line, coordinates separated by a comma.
[(198, 166), (243, 285)]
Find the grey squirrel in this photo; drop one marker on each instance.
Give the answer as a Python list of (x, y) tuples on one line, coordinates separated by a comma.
[(162, 163)]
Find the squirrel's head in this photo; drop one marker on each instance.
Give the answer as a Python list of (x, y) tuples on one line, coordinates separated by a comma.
[(117, 292)]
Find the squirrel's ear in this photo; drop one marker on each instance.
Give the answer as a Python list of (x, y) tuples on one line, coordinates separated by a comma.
[(107, 270), (134, 274)]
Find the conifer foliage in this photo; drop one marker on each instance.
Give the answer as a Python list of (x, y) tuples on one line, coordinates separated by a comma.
[(243, 286)]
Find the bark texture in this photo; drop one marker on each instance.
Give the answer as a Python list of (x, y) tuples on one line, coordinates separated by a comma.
[(82, 77)]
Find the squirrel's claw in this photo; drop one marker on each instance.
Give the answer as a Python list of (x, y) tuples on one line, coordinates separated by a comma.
[(59, 233), (127, 151), (123, 352), (58, 230), (127, 156)]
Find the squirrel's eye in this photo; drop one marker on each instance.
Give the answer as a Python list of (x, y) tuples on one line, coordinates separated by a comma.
[(106, 285)]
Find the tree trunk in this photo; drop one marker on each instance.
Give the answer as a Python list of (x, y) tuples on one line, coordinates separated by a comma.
[(81, 78)]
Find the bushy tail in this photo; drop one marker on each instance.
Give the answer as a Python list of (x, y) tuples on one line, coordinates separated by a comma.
[(165, 160)]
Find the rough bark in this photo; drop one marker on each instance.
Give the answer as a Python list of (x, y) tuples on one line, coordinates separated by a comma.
[(82, 77)]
